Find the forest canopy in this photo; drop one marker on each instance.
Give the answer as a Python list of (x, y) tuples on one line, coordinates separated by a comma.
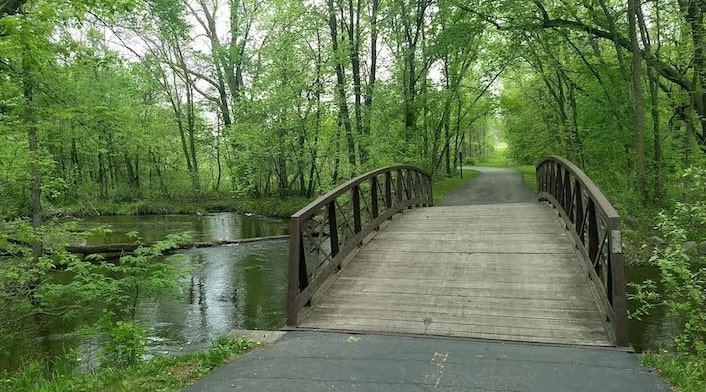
[(155, 99), (122, 100)]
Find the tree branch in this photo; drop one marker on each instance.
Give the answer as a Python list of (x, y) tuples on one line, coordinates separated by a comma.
[(545, 22)]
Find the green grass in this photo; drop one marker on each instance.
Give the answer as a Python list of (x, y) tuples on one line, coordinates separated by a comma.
[(685, 373), (272, 207), (445, 185), (498, 159), (159, 374)]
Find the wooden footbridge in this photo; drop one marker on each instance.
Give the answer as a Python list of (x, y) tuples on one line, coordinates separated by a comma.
[(364, 259)]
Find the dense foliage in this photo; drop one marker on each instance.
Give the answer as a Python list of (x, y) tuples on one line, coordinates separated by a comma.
[(130, 100), (124, 101)]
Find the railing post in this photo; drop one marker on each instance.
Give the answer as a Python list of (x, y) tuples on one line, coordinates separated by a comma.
[(430, 190), (616, 281), (413, 185), (558, 185), (408, 187), (592, 231), (539, 175), (579, 208), (399, 186), (547, 176), (567, 193), (296, 255), (388, 189), (333, 228), (374, 196), (355, 200)]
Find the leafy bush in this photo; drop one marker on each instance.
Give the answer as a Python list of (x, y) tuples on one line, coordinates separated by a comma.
[(681, 265), (95, 295), (126, 344)]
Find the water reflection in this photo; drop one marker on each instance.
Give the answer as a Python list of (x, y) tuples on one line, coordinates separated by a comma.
[(655, 330), (239, 286), (211, 227), (235, 287)]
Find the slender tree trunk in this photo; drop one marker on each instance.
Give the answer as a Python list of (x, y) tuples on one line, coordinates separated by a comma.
[(354, 43), (372, 76), (32, 142), (160, 178), (343, 113), (32, 139), (638, 100), (654, 100), (695, 18), (218, 162)]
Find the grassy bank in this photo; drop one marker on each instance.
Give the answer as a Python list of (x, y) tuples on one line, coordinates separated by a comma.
[(445, 185), (685, 373), (274, 207), (208, 203), (158, 374)]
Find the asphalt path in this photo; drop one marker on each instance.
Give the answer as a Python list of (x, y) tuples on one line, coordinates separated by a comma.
[(322, 361), (493, 186)]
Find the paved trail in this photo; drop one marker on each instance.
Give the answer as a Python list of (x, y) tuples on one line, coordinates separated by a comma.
[(494, 185), (321, 361)]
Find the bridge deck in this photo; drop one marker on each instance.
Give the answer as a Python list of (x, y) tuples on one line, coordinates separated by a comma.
[(500, 271)]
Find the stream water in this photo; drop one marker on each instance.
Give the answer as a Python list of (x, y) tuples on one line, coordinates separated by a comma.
[(241, 286), (233, 287)]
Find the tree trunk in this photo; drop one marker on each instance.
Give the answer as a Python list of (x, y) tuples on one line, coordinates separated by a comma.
[(343, 113), (372, 76), (653, 78), (32, 141), (354, 43), (638, 101), (33, 144)]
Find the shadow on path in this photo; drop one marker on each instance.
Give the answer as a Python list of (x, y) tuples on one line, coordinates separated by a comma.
[(493, 186)]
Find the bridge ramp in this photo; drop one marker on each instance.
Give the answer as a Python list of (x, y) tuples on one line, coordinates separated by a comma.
[(500, 271)]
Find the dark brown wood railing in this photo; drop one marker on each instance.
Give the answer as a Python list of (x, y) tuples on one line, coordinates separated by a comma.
[(323, 233), (595, 226)]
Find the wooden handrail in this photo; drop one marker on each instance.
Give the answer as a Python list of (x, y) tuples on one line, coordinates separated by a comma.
[(595, 226), (327, 230)]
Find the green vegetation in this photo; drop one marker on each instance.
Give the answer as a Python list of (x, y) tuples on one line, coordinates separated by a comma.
[(119, 107), (99, 298), (442, 186), (134, 106), (161, 373), (275, 207), (686, 373), (682, 268)]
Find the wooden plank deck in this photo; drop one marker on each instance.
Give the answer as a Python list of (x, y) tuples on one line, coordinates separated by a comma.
[(501, 271)]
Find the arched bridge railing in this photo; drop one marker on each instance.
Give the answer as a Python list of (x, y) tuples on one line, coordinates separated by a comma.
[(595, 226), (323, 233)]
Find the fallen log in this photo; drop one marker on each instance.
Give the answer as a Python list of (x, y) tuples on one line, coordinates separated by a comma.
[(130, 247)]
